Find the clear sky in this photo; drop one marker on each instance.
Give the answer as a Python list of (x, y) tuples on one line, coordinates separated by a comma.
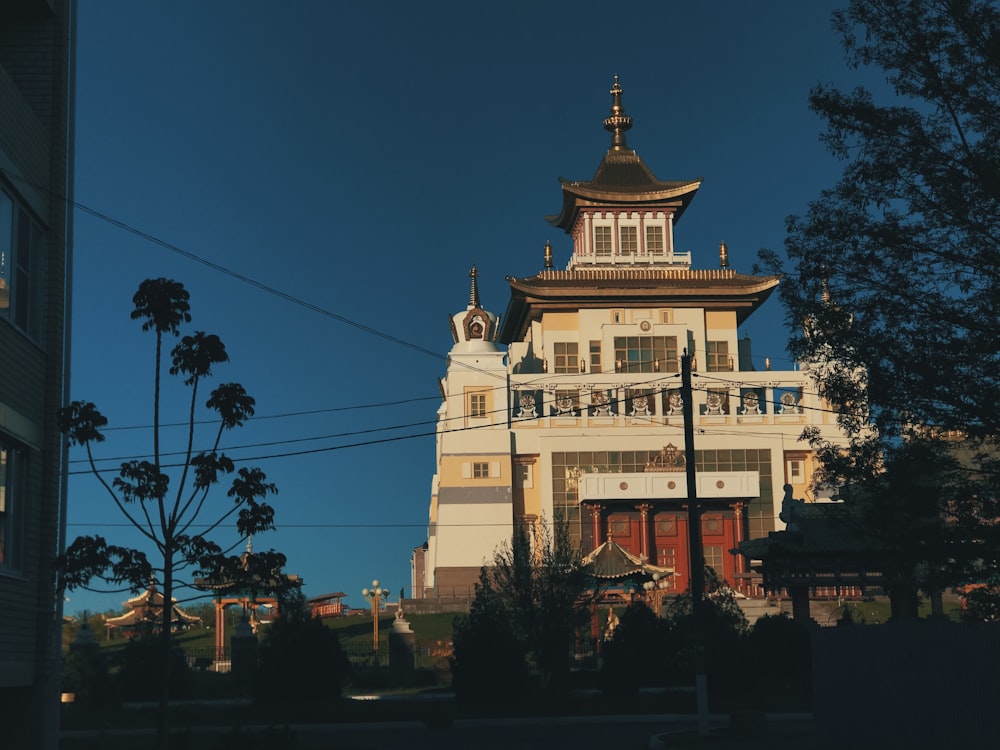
[(359, 158)]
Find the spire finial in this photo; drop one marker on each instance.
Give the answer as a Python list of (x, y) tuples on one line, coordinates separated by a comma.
[(618, 122), (548, 254), (723, 255), (474, 291)]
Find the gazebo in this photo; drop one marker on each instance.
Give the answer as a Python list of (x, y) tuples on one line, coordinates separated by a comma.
[(251, 586), (614, 569), (823, 548)]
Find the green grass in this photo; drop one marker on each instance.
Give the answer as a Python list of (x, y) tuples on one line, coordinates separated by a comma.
[(427, 629)]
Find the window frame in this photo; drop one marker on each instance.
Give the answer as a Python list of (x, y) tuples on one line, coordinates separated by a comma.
[(628, 240), (565, 357), (655, 244), (717, 356), (13, 473), (646, 350), (604, 246), (476, 407), (478, 469), (21, 256)]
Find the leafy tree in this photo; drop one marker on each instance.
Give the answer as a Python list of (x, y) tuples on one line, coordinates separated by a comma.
[(892, 275), (722, 627), (530, 602), (635, 657), (300, 657), (163, 502)]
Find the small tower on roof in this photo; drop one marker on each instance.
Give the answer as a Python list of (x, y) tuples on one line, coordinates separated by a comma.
[(624, 216), (474, 329)]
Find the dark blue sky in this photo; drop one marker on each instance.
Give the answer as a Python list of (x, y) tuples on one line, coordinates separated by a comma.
[(360, 157)]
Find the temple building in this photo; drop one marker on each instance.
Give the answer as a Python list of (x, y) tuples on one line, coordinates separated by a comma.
[(569, 405)]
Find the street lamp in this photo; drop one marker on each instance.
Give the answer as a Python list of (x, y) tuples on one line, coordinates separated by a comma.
[(375, 594), (656, 590)]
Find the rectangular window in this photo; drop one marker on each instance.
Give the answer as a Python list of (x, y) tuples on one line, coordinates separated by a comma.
[(11, 473), (717, 356), (595, 356), (714, 559), (795, 472), (480, 470), (629, 237), (646, 354), (654, 240), (477, 404), (567, 356), (20, 250), (602, 241)]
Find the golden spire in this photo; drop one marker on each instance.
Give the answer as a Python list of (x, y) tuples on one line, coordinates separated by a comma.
[(474, 291), (723, 255), (618, 122), (548, 254)]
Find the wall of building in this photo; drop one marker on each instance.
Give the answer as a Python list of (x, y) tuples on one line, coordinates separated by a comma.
[(36, 60)]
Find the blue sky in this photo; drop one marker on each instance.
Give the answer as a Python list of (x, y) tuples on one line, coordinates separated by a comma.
[(360, 157)]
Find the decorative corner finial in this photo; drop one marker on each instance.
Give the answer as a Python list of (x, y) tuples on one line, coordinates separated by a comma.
[(548, 254), (474, 291), (618, 122), (723, 255)]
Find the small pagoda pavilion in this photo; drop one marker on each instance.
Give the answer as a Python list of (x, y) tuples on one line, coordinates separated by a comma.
[(145, 615)]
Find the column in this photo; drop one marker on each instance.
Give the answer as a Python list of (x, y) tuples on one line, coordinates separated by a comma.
[(741, 562), (595, 519), (644, 535), (220, 630)]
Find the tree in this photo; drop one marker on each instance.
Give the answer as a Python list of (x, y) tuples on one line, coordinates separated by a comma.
[(892, 272), (530, 602), (722, 626), (165, 502), (635, 656), (300, 657)]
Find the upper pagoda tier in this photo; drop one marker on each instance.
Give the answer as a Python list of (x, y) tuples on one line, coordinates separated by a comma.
[(624, 215)]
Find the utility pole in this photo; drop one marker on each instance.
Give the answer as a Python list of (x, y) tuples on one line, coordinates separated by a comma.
[(696, 558)]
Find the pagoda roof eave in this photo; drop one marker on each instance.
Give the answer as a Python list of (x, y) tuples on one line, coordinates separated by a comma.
[(612, 562), (576, 195), (576, 290)]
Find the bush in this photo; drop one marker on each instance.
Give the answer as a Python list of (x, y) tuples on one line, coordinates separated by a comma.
[(635, 656), (781, 655), (142, 670), (722, 627), (85, 673), (300, 658), (488, 660)]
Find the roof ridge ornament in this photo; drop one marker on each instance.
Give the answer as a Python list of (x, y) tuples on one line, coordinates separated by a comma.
[(474, 291), (618, 122)]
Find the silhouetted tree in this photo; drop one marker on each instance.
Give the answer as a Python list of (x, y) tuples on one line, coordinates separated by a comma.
[(164, 505), (530, 602), (300, 658), (635, 656), (723, 626), (891, 277)]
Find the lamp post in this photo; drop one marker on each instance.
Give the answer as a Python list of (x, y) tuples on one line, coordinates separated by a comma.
[(375, 594), (655, 590)]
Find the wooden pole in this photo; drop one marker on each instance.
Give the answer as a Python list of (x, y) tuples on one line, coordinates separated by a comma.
[(696, 563)]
